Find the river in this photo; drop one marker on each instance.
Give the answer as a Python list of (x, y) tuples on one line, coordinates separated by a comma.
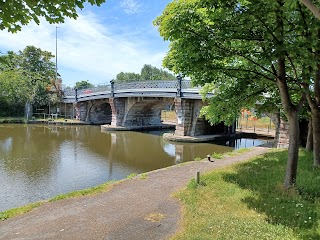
[(38, 162)]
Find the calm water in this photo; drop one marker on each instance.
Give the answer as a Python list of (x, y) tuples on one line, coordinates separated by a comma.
[(41, 161)]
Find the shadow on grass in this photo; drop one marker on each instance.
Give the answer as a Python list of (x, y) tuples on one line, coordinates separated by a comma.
[(297, 208)]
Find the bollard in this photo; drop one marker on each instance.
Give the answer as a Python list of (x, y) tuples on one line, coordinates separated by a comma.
[(209, 158), (197, 177)]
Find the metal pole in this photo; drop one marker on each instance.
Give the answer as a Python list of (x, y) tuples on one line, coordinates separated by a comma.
[(56, 54)]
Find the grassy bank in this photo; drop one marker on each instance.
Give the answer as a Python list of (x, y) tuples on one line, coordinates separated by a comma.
[(85, 192), (247, 201), (12, 120)]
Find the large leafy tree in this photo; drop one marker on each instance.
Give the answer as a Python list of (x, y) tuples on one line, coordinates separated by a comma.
[(127, 77), (33, 69), (220, 41), (14, 14), (83, 84), (13, 89), (147, 73)]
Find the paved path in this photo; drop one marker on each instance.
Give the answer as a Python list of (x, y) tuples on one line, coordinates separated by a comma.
[(121, 213)]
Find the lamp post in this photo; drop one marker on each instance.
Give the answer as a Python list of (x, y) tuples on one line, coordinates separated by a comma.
[(56, 54), (179, 92)]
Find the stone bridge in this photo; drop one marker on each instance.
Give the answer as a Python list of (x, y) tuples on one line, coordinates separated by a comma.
[(138, 105)]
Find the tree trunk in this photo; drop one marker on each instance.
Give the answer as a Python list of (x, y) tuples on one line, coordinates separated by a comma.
[(275, 118), (292, 164), (316, 137), (309, 145)]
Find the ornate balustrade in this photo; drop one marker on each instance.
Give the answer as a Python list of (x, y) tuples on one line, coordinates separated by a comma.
[(146, 84), (140, 88)]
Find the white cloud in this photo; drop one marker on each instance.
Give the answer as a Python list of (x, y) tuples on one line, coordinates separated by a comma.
[(130, 6), (87, 50)]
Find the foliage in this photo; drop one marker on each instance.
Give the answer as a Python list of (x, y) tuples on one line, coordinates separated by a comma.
[(83, 84), (247, 201), (15, 14), (312, 7), (153, 73), (127, 76), (147, 73), (231, 45), (26, 76), (13, 88), (246, 55)]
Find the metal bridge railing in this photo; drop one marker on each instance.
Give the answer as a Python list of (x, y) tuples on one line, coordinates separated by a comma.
[(146, 84), (98, 89), (114, 87)]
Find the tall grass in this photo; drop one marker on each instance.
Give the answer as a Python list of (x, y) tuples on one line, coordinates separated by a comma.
[(247, 201)]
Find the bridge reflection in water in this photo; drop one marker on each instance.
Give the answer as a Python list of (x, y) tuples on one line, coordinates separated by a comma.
[(41, 161)]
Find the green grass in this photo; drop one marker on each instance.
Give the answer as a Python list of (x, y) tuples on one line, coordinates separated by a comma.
[(247, 201), (18, 211), (132, 175), (238, 151), (27, 208), (143, 175), (85, 192), (12, 120), (217, 155)]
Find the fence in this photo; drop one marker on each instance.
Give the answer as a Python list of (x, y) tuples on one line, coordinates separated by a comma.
[(253, 124)]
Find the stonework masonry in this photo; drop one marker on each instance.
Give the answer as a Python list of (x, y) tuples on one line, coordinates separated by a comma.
[(284, 135), (128, 112)]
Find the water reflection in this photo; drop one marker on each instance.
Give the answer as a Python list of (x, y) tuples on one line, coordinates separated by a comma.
[(40, 161)]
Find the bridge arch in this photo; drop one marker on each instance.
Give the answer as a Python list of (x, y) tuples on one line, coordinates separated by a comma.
[(94, 111), (145, 111)]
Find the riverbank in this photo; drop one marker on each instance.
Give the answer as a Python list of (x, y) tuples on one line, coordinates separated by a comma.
[(247, 201), (12, 120), (138, 208), (22, 120)]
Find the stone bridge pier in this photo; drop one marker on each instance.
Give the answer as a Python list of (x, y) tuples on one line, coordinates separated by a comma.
[(190, 123)]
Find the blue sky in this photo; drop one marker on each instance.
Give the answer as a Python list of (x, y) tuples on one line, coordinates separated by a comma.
[(103, 41)]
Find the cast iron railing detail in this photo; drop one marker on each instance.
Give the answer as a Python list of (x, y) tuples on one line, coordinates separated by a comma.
[(163, 88)]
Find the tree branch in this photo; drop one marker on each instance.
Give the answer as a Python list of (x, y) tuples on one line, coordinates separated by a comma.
[(312, 7)]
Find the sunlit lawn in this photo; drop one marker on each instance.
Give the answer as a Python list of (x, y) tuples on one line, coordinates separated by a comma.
[(247, 201)]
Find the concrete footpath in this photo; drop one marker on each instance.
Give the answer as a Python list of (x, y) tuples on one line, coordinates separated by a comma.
[(135, 209)]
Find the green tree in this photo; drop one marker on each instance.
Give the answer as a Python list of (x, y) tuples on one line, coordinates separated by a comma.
[(13, 89), (127, 76), (215, 41), (14, 14), (83, 84), (36, 71), (149, 72)]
